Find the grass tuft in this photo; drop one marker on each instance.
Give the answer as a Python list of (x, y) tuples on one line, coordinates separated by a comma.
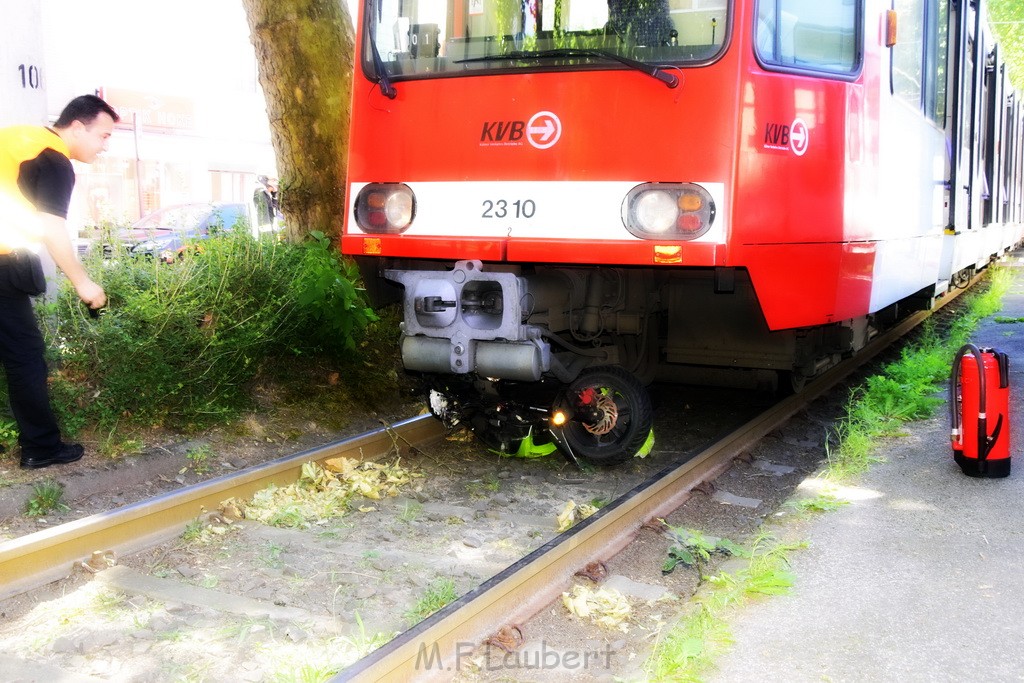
[(46, 497), (688, 649), (438, 594)]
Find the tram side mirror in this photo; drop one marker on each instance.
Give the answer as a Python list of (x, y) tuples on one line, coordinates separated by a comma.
[(890, 27)]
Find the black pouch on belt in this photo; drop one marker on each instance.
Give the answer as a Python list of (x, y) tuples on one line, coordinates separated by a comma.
[(25, 271)]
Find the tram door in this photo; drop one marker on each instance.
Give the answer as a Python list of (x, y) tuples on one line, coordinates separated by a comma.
[(945, 23), (968, 182), (963, 74)]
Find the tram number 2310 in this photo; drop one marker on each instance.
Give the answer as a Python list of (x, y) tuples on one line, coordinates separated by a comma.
[(501, 208)]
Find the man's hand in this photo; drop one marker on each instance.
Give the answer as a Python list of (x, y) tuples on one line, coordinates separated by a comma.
[(57, 242), (92, 294)]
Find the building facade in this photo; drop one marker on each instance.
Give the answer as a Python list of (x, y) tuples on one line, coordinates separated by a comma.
[(181, 75)]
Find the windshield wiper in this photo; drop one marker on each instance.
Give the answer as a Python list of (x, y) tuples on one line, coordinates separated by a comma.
[(671, 80), (383, 80)]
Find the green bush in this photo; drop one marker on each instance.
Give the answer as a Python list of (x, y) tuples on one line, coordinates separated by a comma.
[(179, 343), (331, 309)]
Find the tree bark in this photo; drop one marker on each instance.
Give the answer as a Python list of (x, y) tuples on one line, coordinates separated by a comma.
[(304, 54)]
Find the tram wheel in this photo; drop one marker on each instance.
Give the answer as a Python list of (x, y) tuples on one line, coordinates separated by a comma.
[(613, 417), (792, 382)]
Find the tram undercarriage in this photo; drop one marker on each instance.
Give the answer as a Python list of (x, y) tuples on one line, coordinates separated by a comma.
[(531, 358)]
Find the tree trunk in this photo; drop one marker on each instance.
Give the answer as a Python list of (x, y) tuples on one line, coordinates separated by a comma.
[(304, 52)]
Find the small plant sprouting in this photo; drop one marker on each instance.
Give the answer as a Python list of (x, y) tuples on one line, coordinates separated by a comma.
[(8, 435), (272, 558), (115, 446), (363, 642), (199, 458), (410, 511), (46, 498), (822, 503), (693, 548), (193, 531), (439, 593)]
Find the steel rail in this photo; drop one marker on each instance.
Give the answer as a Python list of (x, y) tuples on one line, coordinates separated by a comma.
[(435, 648), (44, 556)]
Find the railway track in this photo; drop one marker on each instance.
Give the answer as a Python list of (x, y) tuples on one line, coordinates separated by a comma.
[(39, 558), (507, 562), (520, 591)]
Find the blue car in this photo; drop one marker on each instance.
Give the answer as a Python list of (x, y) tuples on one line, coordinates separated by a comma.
[(167, 233)]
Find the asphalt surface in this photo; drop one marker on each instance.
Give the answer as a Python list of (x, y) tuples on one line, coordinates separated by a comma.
[(920, 577)]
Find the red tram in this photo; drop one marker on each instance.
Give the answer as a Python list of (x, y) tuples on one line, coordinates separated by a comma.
[(572, 198)]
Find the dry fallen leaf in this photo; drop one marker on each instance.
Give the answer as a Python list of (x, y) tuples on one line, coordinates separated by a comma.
[(603, 606), (573, 513)]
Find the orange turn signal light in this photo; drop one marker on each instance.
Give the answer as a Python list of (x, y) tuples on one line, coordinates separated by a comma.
[(690, 202), (668, 253)]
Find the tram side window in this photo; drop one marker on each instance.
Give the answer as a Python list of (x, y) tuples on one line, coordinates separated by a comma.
[(937, 58), (908, 53), (807, 34), (919, 60)]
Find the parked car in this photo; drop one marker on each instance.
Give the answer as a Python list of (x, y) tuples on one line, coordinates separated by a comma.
[(167, 233)]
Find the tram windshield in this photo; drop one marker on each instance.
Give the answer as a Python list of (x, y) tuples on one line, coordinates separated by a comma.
[(425, 38)]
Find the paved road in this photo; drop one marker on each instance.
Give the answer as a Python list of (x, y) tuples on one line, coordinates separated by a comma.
[(921, 579)]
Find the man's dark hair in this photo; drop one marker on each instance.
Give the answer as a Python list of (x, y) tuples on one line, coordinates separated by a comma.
[(84, 108)]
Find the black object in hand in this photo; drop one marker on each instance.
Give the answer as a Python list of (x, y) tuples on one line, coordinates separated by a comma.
[(94, 312)]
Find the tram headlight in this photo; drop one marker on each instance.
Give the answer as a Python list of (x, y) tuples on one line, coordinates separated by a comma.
[(655, 211), (385, 208), (668, 211)]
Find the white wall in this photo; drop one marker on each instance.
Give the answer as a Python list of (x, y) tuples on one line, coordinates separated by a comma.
[(22, 74)]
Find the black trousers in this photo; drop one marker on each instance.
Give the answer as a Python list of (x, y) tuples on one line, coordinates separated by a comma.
[(21, 352)]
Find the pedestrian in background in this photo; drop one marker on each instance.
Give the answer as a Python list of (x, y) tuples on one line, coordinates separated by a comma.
[(36, 180)]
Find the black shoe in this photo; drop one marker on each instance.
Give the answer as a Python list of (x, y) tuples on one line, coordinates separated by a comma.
[(68, 452)]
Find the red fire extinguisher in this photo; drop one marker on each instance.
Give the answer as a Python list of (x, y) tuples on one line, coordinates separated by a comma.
[(979, 396)]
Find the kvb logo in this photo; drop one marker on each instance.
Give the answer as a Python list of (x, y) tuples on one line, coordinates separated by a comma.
[(502, 132), (542, 131), (792, 137)]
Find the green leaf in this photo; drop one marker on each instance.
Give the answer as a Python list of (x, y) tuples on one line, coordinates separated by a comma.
[(727, 546), (691, 648), (680, 554)]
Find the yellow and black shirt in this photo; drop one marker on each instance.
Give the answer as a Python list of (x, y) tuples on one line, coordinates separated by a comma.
[(36, 175)]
